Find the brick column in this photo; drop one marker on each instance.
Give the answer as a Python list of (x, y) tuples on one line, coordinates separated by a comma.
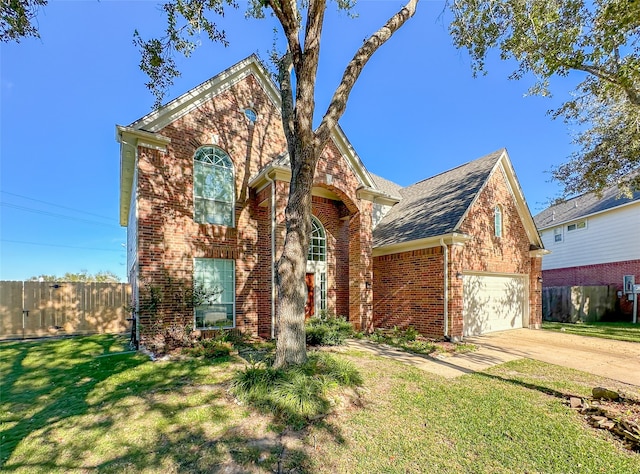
[(361, 269), (535, 293), (456, 291)]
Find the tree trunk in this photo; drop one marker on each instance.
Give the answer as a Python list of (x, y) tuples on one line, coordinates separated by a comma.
[(292, 292)]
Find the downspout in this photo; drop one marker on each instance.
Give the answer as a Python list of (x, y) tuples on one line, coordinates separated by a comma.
[(273, 255), (445, 253)]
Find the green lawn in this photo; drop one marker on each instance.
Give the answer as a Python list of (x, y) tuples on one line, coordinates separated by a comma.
[(84, 405), (620, 331)]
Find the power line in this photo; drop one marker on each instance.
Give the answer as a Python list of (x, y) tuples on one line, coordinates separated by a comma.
[(56, 205), (53, 214), (60, 245)]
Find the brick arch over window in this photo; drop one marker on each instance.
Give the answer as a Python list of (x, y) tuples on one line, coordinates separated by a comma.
[(213, 187)]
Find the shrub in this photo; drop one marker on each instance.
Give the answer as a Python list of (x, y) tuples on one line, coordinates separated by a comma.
[(298, 394), (327, 331), (210, 349)]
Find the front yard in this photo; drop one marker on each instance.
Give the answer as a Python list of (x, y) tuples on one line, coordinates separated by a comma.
[(85, 404)]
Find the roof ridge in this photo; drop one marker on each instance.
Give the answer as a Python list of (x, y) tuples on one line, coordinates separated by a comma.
[(501, 150)]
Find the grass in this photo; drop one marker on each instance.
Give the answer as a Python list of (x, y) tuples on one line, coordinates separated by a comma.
[(620, 331), (86, 404)]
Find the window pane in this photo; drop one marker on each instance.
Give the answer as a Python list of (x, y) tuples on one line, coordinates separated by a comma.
[(213, 187), (217, 277)]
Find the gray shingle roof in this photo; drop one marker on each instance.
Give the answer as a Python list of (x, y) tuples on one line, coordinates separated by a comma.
[(386, 186), (434, 206), (583, 205)]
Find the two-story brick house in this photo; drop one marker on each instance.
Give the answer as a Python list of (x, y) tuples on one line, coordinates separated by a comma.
[(204, 183)]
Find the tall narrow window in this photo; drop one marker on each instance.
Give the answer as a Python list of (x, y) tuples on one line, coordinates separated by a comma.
[(317, 242), (498, 221), (317, 267), (214, 292), (213, 187)]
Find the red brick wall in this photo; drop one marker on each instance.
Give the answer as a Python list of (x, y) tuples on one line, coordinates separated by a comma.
[(409, 291), (507, 254), (594, 275), (169, 239), (408, 286)]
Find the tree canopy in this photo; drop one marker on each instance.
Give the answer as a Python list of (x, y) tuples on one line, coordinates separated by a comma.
[(17, 19), (554, 37)]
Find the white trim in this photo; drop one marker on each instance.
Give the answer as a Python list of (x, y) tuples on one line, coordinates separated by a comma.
[(504, 163), (234, 325), (130, 139), (576, 222), (587, 216), (194, 98), (419, 244)]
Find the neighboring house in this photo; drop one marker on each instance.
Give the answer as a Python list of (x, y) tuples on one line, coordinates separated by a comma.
[(594, 241), (204, 184)]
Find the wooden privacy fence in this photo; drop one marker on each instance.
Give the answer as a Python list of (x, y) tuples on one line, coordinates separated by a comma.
[(36, 309), (570, 304)]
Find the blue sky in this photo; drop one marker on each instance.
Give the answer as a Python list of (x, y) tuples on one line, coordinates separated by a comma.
[(415, 111)]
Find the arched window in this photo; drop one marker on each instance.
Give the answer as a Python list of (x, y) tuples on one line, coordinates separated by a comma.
[(498, 221), (213, 187), (316, 269), (317, 242)]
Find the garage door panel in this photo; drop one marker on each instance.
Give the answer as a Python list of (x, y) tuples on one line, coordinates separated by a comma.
[(492, 303)]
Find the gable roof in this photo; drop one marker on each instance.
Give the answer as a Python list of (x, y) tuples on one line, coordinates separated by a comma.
[(146, 129), (436, 207), (582, 206)]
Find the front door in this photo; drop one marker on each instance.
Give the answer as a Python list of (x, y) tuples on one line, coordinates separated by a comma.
[(310, 306)]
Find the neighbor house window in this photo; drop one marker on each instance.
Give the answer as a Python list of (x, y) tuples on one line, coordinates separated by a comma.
[(498, 221), (213, 187), (557, 234), (214, 293), (577, 226)]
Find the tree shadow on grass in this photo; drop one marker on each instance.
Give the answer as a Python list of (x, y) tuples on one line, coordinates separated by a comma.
[(101, 409), (531, 386)]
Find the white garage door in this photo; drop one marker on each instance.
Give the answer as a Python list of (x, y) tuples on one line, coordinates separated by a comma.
[(493, 303)]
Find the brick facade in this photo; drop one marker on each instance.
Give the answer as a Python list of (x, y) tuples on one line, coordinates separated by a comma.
[(409, 286), (403, 289), (169, 238)]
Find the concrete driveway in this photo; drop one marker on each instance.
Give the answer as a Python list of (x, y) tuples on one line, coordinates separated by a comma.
[(616, 360)]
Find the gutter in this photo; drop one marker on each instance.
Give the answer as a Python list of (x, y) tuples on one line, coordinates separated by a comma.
[(273, 255), (445, 251)]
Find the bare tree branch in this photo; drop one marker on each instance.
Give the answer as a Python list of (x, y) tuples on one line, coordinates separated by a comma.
[(354, 68)]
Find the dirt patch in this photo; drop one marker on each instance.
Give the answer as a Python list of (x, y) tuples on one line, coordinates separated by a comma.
[(620, 416)]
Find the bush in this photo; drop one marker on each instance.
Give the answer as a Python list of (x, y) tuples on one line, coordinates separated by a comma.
[(327, 331), (298, 394), (210, 349)]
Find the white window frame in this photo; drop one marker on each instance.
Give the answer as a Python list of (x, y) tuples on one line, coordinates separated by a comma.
[(498, 223), (218, 153), (318, 266), (217, 300), (558, 232), (577, 225)]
